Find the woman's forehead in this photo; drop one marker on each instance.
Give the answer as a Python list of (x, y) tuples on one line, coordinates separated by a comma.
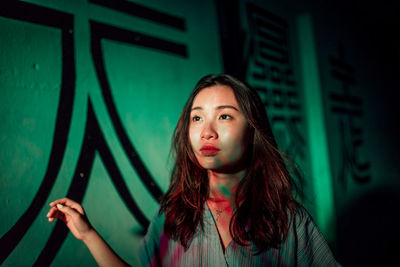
[(214, 96)]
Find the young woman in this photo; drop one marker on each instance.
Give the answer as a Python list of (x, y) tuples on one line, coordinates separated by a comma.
[(230, 201)]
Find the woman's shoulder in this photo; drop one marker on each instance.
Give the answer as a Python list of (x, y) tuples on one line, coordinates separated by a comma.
[(156, 224), (302, 221), (312, 248), (149, 245), (300, 214)]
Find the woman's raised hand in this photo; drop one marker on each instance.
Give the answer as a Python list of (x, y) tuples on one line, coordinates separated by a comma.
[(75, 218), (72, 214)]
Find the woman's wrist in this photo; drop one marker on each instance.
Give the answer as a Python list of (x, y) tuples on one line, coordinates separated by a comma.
[(90, 236), (101, 251)]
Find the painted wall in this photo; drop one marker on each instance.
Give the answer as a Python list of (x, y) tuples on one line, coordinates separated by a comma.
[(359, 62), (90, 96), (90, 92)]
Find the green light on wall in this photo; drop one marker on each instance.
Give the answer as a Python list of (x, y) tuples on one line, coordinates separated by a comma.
[(319, 153)]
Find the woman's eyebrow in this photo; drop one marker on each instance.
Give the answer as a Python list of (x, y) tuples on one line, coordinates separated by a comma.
[(219, 107), (227, 106)]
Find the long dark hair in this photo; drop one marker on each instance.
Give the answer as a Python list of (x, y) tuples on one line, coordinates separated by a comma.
[(264, 196)]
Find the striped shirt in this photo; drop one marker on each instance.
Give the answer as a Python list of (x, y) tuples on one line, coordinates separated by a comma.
[(304, 246)]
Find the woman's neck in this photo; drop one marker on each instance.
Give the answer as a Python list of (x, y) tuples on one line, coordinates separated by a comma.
[(223, 186)]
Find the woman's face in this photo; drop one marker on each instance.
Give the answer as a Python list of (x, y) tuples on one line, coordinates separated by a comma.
[(218, 130)]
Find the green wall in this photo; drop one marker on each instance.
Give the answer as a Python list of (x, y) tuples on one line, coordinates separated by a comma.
[(148, 88), (90, 92)]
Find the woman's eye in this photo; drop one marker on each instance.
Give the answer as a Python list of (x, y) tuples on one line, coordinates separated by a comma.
[(196, 118), (225, 117)]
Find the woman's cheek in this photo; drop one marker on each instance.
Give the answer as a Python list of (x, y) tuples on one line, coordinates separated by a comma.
[(195, 142), (234, 143)]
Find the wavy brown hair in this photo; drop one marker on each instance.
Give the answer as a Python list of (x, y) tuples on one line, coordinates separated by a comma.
[(264, 196)]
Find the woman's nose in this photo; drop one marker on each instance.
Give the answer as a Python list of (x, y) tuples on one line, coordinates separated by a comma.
[(209, 132)]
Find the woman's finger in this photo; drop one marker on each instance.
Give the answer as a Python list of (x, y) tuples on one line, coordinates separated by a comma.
[(67, 210), (51, 212), (54, 213), (69, 203)]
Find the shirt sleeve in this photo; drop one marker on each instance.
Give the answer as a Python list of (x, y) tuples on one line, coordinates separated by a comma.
[(312, 248), (149, 249)]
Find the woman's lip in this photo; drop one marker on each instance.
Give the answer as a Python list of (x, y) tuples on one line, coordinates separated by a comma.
[(209, 150)]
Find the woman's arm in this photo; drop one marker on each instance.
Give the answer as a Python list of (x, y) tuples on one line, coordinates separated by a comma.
[(75, 218), (312, 248)]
